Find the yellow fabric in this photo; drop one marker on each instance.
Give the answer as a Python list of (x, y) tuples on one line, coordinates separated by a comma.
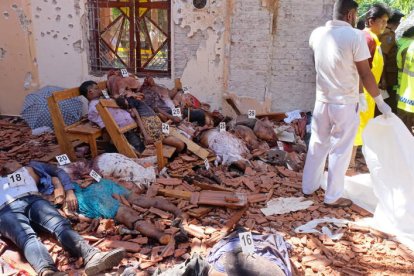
[(406, 91), (377, 67), (403, 44)]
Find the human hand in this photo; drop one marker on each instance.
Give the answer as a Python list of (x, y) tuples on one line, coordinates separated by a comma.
[(363, 105), (71, 201), (383, 107)]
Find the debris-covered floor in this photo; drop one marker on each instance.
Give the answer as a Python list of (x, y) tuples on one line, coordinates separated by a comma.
[(359, 251)]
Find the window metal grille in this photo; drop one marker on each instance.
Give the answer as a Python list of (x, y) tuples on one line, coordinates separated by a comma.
[(132, 34)]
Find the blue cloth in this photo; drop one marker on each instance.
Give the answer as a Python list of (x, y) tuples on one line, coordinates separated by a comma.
[(46, 172), (36, 111), (96, 201), (15, 224), (271, 246)]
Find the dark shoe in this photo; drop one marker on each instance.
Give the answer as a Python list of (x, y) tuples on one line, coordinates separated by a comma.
[(104, 260), (340, 203)]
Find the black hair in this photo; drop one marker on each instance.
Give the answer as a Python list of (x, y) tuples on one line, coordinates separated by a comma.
[(361, 24), (343, 7), (409, 32), (375, 12), (122, 102), (84, 87), (395, 17)]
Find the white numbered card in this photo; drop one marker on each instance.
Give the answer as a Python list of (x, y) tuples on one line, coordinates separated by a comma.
[(63, 159), (124, 73), (246, 242), (186, 90), (176, 112), (206, 164), (95, 176), (251, 114), (105, 94), (165, 128), (15, 179), (222, 127)]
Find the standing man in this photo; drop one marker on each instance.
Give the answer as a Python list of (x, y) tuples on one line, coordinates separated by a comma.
[(389, 51), (341, 61), (405, 61)]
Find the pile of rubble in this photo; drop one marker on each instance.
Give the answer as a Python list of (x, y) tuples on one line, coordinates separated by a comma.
[(265, 198)]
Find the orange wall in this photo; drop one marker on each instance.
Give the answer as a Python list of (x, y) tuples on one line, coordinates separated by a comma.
[(18, 69)]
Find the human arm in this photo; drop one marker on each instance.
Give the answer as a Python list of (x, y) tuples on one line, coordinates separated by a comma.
[(70, 200), (368, 81), (44, 169), (167, 116)]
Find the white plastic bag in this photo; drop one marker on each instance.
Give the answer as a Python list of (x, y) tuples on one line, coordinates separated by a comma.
[(389, 153)]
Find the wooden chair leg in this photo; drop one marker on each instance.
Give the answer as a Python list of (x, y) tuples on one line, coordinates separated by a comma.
[(93, 146), (160, 156)]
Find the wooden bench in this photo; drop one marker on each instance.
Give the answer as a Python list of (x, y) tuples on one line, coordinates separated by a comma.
[(82, 130), (121, 143), (115, 132)]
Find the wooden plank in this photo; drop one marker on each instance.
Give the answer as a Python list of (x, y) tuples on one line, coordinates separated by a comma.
[(233, 105), (127, 128), (191, 146), (160, 157), (214, 198), (175, 193), (119, 140), (66, 94), (59, 126)]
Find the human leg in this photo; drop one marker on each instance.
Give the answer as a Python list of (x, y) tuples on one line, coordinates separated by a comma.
[(156, 202), (174, 142), (130, 218), (15, 226), (43, 214), (345, 121), (319, 146)]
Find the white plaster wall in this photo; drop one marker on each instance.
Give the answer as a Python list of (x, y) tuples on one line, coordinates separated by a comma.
[(60, 28), (204, 69)]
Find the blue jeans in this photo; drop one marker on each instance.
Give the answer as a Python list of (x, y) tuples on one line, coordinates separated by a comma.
[(17, 219)]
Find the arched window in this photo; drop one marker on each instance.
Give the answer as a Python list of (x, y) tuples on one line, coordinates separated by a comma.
[(132, 34)]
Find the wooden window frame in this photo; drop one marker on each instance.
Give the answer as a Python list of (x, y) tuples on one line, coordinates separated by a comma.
[(136, 65)]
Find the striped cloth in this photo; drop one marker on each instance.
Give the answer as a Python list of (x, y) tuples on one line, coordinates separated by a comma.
[(36, 112)]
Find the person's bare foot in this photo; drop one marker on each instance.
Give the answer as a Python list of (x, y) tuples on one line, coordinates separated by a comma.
[(340, 203)]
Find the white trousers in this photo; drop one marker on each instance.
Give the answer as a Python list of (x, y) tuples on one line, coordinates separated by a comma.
[(334, 127)]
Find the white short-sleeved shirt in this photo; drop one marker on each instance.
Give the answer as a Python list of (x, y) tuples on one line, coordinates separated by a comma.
[(337, 46)]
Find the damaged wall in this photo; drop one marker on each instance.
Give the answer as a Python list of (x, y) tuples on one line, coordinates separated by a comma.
[(199, 48), (250, 48), (60, 31), (18, 68), (260, 53), (272, 60)]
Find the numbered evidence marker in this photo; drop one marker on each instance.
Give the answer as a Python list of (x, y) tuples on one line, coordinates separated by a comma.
[(165, 128), (105, 94), (251, 114), (95, 176), (15, 179), (63, 159), (176, 112), (246, 242), (186, 90), (124, 73), (206, 164), (222, 127)]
